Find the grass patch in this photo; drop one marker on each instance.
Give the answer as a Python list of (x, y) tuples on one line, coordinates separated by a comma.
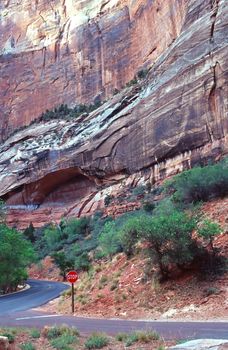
[(96, 341), (35, 333), (62, 342)]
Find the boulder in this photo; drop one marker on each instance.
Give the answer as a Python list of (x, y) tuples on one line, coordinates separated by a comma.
[(203, 344)]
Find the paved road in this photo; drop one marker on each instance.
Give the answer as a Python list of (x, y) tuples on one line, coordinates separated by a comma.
[(40, 293), (12, 314)]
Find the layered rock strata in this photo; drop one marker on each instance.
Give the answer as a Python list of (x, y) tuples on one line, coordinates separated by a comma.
[(174, 119), (70, 51)]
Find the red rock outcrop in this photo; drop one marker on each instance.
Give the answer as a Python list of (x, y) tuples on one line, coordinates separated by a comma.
[(175, 118), (71, 52)]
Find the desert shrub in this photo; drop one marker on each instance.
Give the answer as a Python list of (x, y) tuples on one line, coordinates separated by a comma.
[(57, 331), (96, 341), (62, 342), (132, 82), (76, 228), (121, 336), (35, 333), (109, 239), (200, 184), (141, 336), (139, 190), (129, 235), (208, 230), (8, 335), (29, 233), (108, 199), (82, 262), (141, 74), (27, 346), (169, 236), (148, 206)]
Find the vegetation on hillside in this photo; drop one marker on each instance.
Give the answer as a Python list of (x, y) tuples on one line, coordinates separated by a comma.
[(171, 233)]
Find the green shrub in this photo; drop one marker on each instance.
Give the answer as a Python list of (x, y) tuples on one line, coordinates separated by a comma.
[(141, 74), (108, 199), (62, 342), (132, 82), (10, 337), (208, 230), (109, 239), (169, 235), (57, 331), (82, 262), (131, 339), (96, 341), (200, 184), (35, 333), (141, 336), (27, 346), (121, 336)]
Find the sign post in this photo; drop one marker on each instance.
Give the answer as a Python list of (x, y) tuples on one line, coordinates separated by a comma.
[(72, 277)]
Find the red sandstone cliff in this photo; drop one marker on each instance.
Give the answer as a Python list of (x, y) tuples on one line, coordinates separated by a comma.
[(173, 119), (67, 51)]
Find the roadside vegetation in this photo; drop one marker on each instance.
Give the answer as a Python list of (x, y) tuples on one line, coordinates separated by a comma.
[(69, 338)]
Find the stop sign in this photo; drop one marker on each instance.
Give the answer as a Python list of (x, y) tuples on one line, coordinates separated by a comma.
[(72, 276)]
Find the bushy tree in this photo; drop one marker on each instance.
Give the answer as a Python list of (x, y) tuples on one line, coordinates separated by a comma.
[(63, 262), (168, 236), (16, 253)]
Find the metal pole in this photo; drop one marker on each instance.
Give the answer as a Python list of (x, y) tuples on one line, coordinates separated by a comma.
[(72, 293)]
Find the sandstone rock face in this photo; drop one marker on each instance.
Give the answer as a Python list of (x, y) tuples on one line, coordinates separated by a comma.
[(203, 344), (76, 51), (174, 119)]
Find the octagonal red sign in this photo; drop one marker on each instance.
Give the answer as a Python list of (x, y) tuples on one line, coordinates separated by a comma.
[(72, 276)]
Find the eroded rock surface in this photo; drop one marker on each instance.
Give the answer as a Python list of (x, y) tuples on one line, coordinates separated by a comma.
[(76, 51), (173, 120)]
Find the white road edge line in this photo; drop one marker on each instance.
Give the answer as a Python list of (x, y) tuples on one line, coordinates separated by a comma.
[(32, 317)]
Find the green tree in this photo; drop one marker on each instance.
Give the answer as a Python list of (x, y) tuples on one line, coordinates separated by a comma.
[(16, 253), (169, 239), (63, 262), (29, 233)]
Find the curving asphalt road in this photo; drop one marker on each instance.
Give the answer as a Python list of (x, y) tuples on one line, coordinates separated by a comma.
[(39, 293), (15, 310)]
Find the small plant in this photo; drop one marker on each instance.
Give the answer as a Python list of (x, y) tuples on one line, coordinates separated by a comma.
[(27, 346), (108, 199), (142, 73), (57, 331), (35, 333), (62, 342), (10, 337), (121, 336), (96, 341), (132, 82), (142, 336), (132, 338), (114, 285)]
